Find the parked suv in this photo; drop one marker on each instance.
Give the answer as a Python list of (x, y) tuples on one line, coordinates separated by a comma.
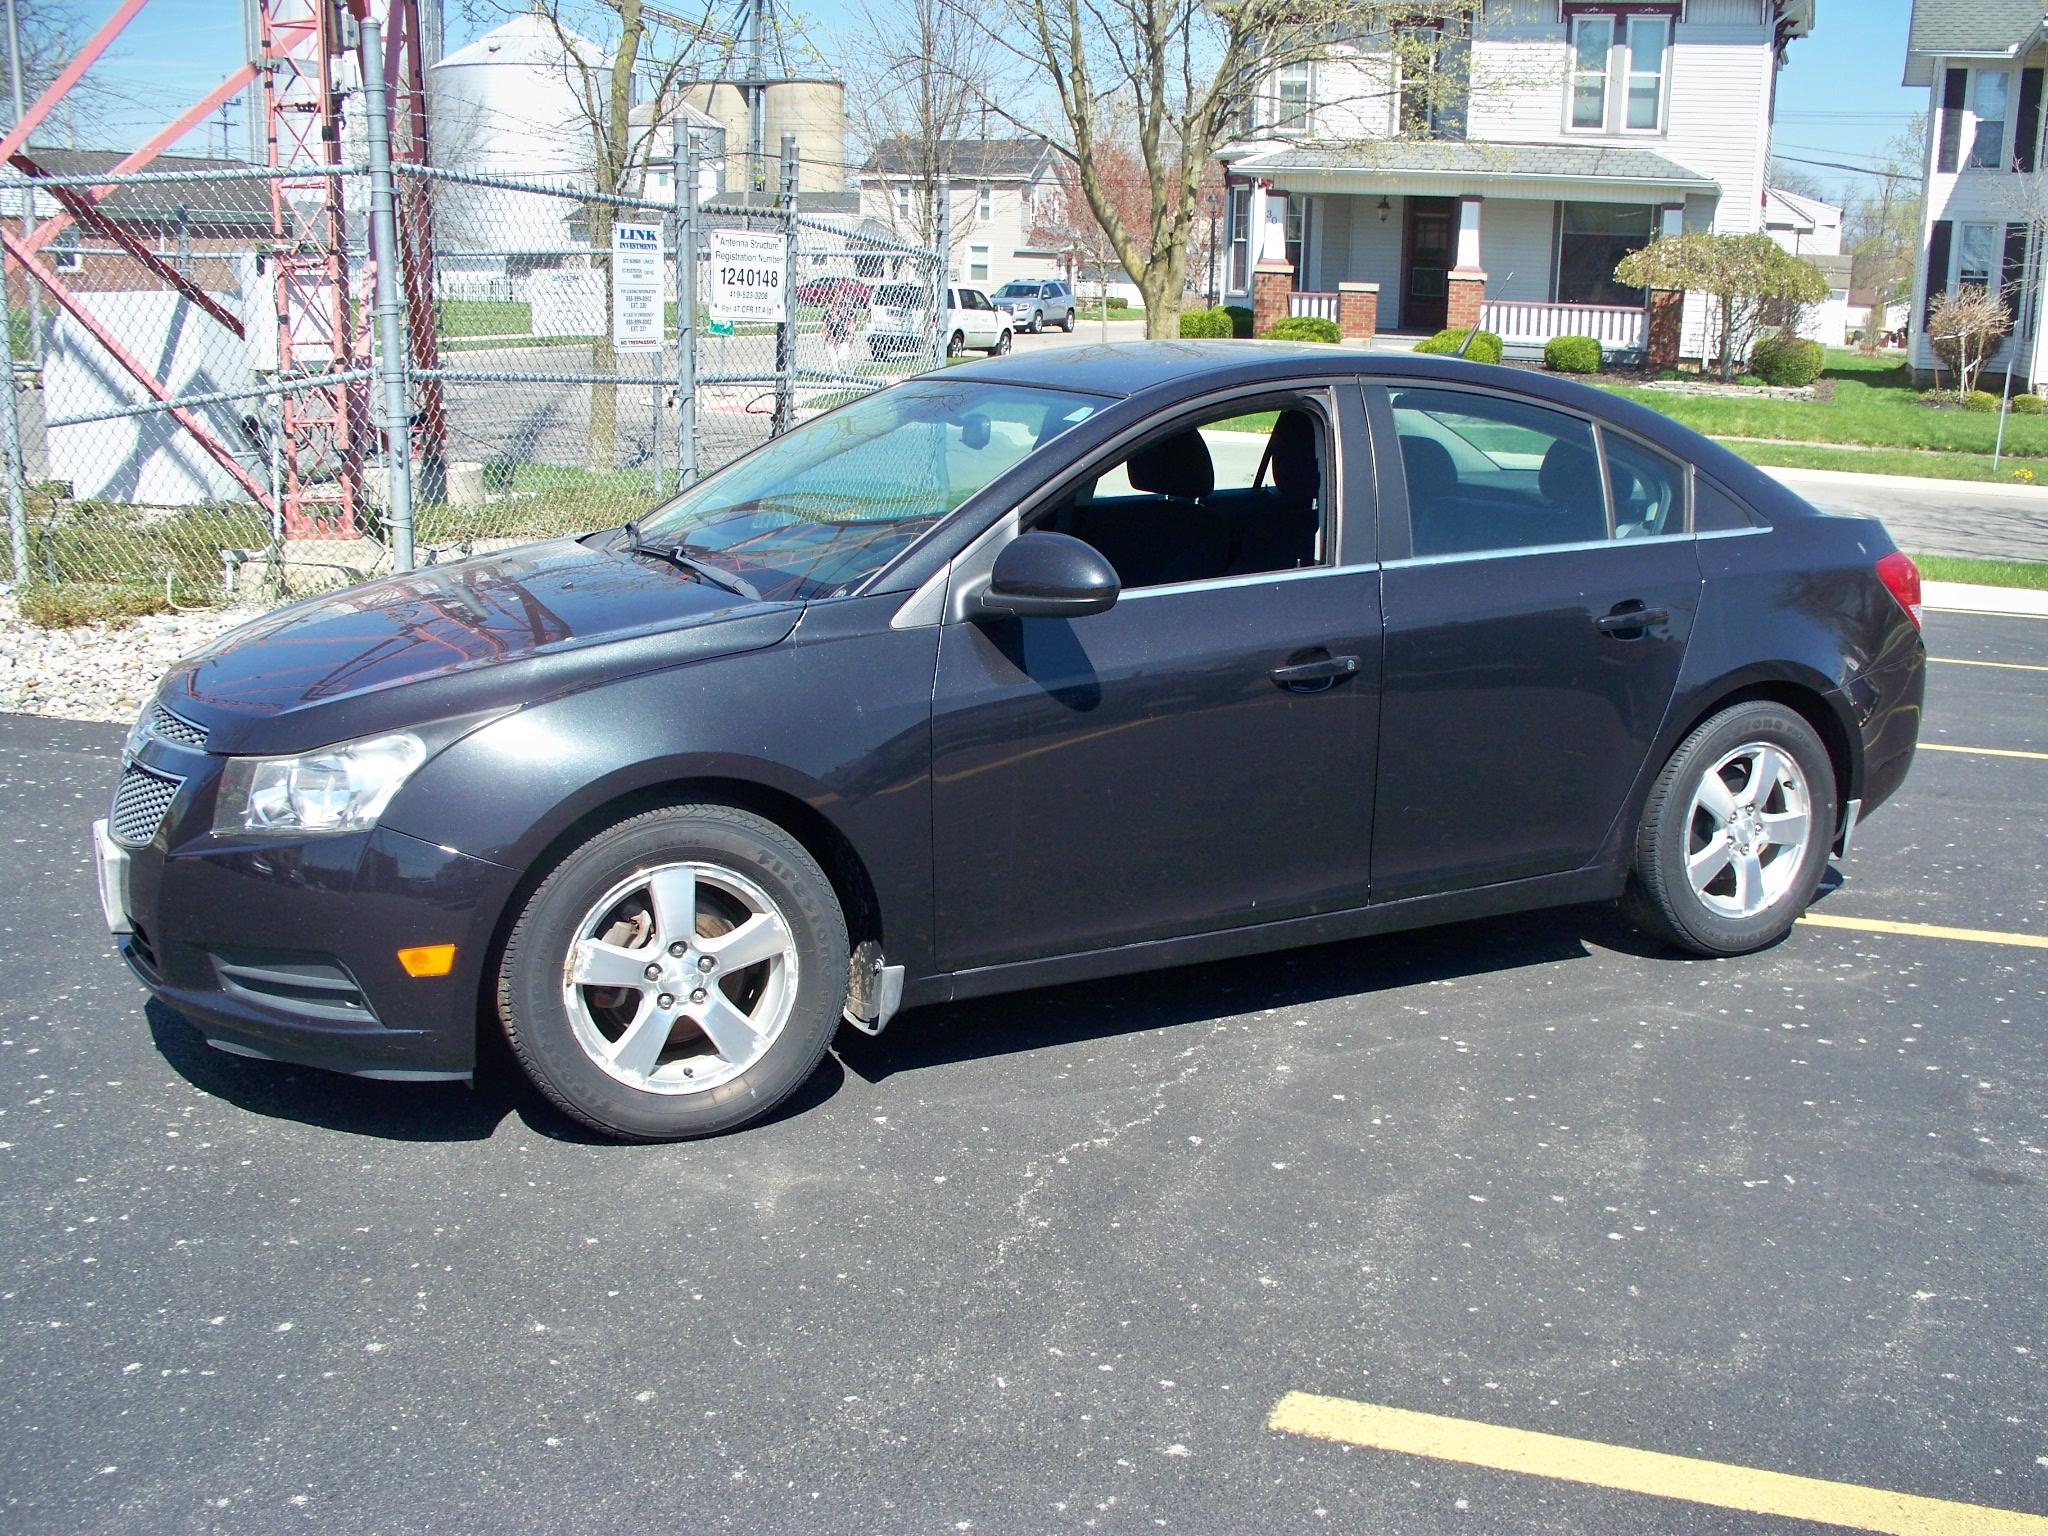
[(1032, 306), (901, 322)]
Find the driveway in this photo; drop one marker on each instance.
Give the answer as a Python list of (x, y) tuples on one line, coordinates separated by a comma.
[(1051, 1262)]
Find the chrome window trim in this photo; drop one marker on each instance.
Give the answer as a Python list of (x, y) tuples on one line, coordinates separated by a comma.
[(1177, 588), (1731, 533), (1516, 551)]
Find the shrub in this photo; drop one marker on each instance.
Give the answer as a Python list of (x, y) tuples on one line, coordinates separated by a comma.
[(1303, 328), (1571, 354), (1485, 346), (1240, 319), (1787, 360), (2026, 405), (1204, 323), (68, 604), (1980, 400)]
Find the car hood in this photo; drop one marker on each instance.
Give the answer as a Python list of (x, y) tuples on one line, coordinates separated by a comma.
[(475, 636)]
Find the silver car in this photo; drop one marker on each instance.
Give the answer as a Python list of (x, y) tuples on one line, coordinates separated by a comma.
[(1034, 304)]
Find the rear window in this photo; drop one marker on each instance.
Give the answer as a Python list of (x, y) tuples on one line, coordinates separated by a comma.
[(900, 295)]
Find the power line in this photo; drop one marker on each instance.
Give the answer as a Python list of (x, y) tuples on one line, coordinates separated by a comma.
[(1860, 170)]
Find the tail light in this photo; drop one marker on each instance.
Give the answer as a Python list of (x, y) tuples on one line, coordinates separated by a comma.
[(1901, 578)]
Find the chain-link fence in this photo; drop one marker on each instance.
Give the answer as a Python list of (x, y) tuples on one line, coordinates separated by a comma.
[(202, 408)]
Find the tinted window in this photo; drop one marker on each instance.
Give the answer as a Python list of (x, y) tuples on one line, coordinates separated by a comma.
[(1714, 510), (1234, 495), (1647, 489), (1489, 473)]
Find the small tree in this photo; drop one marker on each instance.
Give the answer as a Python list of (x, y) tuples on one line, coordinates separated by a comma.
[(1963, 327), (1746, 280)]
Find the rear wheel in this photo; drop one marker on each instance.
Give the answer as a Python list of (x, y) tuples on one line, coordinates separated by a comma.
[(957, 345), (677, 975), (1736, 832)]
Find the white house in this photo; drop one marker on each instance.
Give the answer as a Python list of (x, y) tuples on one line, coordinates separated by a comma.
[(1983, 63), (1810, 228), (998, 189), (1529, 150)]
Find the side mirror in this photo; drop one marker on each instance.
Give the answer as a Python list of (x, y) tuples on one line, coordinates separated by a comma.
[(1048, 576)]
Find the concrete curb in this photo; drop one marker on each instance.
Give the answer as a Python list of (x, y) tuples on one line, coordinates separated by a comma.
[(1961, 597), (1902, 485)]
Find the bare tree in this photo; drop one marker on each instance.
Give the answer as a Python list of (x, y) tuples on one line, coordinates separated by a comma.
[(1963, 327), (917, 77), (612, 52), (1883, 228), (1177, 79)]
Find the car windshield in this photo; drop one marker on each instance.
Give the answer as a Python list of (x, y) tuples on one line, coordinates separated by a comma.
[(1017, 291), (823, 507)]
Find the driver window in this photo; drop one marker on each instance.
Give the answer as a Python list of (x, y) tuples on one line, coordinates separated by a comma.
[(1232, 494)]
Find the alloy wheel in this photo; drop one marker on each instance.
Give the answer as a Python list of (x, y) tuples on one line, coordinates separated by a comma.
[(680, 978), (1747, 833)]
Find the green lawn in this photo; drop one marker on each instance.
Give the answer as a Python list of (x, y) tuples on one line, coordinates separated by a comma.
[(1875, 404), (1984, 573), (484, 317)]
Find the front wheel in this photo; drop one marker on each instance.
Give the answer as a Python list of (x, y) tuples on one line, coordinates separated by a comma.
[(1002, 345), (1037, 322), (677, 975), (1067, 324), (1736, 833)]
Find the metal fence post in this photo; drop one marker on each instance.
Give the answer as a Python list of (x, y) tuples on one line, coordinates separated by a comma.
[(942, 271), (10, 445), (384, 252), (686, 305), (785, 337)]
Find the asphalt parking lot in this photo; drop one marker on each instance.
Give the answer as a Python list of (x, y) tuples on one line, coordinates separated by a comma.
[(1057, 1261)]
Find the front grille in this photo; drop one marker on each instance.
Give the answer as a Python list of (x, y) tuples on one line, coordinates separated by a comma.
[(295, 982), (175, 729), (139, 804)]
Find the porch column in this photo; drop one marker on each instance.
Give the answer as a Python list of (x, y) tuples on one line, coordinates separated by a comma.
[(1358, 310), (1664, 325), (1272, 282), (1466, 282)]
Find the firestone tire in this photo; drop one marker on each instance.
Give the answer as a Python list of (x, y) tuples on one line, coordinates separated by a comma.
[(1736, 833), (735, 867)]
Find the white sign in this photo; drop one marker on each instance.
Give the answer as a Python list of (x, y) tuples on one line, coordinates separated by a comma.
[(746, 274), (636, 287)]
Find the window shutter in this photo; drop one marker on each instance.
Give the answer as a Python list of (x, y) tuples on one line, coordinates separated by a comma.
[(1953, 86), (2014, 273), (1937, 263), (2027, 130)]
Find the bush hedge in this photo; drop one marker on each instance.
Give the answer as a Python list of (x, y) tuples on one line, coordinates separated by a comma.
[(1787, 361), (1485, 346), (2026, 405), (1571, 354), (1304, 328), (1240, 320), (1204, 323), (1980, 400)]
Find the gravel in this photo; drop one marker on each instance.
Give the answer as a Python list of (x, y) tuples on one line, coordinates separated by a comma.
[(97, 671)]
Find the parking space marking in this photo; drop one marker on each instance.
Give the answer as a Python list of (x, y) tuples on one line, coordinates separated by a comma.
[(2009, 666), (1925, 930), (1937, 746), (1720, 1484)]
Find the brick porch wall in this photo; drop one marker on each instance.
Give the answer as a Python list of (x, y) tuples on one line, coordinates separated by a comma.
[(1358, 310), (1272, 282), (1466, 292)]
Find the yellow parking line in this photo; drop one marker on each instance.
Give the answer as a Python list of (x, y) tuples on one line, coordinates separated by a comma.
[(1724, 1486), (2009, 666), (1936, 746), (1925, 930)]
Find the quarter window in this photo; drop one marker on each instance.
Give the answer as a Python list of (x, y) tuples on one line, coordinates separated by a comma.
[(1592, 42), (1647, 489), (1486, 473), (1991, 90)]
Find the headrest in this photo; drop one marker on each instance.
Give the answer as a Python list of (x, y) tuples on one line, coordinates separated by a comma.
[(1427, 465), (1293, 447), (1176, 466), (1570, 475)]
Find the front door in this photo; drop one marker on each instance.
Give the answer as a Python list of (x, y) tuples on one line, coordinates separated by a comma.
[(1198, 757), (1535, 627), (1427, 263)]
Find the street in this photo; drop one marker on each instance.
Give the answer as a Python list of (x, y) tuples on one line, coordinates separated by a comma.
[(1049, 1262)]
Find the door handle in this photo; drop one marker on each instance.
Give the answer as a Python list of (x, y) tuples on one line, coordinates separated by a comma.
[(1625, 619), (1323, 669)]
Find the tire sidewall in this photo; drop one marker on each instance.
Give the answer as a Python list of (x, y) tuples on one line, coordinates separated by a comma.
[(1790, 733), (545, 1040)]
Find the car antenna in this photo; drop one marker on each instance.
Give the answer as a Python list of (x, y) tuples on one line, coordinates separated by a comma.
[(1473, 329)]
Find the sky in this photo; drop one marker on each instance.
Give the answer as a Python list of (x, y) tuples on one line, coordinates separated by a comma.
[(176, 49)]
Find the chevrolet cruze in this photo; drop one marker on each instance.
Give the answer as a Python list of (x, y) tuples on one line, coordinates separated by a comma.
[(1031, 671)]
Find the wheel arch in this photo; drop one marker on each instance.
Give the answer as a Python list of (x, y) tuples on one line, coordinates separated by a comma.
[(1821, 706)]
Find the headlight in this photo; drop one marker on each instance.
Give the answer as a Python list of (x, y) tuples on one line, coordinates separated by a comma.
[(342, 788)]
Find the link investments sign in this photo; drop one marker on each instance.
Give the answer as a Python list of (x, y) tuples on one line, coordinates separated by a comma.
[(747, 268), (636, 287)]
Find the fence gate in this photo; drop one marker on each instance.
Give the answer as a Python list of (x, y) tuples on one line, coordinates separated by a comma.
[(197, 415)]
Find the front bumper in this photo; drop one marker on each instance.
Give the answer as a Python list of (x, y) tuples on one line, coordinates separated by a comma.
[(288, 950)]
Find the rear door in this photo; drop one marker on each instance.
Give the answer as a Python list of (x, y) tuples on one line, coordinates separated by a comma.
[(1539, 594)]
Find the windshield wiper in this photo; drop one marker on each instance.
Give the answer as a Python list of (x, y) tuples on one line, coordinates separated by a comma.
[(683, 558)]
